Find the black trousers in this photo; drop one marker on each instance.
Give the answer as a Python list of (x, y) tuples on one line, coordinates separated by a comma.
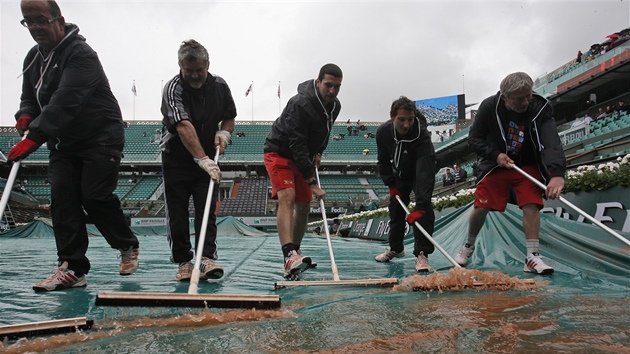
[(422, 183), (183, 179), (86, 181)]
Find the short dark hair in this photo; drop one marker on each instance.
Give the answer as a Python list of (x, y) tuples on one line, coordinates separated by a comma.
[(402, 103), (329, 69)]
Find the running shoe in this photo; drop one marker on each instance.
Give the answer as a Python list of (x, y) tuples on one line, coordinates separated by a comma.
[(184, 273), (128, 260), (422, 263), (388, 255), (295, 264), (210, 270), (313, 263), (62, 279), (464, 254), (535, 264)]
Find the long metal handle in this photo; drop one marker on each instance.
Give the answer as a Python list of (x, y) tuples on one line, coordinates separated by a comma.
[(568, 203), (194, 278), (426, 234), (333, 265)]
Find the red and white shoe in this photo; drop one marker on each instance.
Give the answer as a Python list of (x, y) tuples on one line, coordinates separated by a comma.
[(62, 279), (535, 264), (295, 264)]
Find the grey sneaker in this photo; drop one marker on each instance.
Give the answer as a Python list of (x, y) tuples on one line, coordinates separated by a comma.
[(422, 263), (184, 273), (464, 254), (128, 260), (210, 270), (62, 279), (313, 263), (388, 255)]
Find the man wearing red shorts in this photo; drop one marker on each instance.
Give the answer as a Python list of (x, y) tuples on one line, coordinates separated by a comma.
[(515, 127), (292, 149)]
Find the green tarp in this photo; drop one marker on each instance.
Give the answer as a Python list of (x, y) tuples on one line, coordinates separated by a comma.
[(582, 307)]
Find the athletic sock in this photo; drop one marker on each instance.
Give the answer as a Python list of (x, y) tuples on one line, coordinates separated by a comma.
[(470, 240), (532, 246), (286, 249)]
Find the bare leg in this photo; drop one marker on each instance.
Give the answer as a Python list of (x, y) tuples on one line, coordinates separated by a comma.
[(531, 221), (476, 220), (286, 222), (300, 220)]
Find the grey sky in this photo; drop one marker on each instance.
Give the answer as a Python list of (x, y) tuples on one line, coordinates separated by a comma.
[(419, 49)]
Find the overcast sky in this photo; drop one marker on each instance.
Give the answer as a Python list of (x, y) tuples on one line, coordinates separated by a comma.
[(419, 49)]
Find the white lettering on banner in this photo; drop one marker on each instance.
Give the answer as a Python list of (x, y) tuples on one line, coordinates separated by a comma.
[(359, 227), (601, 209), (338, 210), (382, 229), (368, 227), (600, 214)]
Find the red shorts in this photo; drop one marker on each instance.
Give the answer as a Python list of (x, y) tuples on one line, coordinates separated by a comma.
[(493, 191), (283, 173)]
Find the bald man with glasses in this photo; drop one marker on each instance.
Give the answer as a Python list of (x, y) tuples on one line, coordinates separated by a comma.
[(67, 101)]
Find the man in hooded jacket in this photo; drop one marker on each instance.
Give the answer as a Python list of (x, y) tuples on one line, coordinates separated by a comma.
[(67, 102), (515, 127), (406, 163), (292, 151)]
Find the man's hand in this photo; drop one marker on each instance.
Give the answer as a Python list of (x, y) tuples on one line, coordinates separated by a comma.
[(504, 160), (222, 140), (393, 192), (415, 216), (208, 165), (319, 193), (554, 187), (22, 149), (22, 124), (318, 160)]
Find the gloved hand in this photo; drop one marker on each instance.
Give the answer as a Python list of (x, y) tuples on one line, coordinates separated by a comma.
[(222, 140), (22, 124), (415, 216), (208, 165), (22, 149), (393, 192)]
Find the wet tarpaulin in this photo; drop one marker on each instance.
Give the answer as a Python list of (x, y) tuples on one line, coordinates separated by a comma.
[(583, 306)]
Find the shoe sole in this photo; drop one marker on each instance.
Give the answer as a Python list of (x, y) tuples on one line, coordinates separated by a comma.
[(423, 270), (296, 271), (213, 274), (545, 271), (39, 289)]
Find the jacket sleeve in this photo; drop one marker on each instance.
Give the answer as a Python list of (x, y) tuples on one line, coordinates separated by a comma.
[(552, 151), (383, 158), (173, 109), (297, 124), (480, 131), (82, 75), (28, 101)]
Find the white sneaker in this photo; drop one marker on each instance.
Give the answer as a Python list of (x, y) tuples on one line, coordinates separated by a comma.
[(535, 264), (464, 254), (422, 263), (62, 279), (210, 270), (388, 255), (313, 263), (295, 264)]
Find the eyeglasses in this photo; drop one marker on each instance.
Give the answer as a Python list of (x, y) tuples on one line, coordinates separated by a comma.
[(38, 22)]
